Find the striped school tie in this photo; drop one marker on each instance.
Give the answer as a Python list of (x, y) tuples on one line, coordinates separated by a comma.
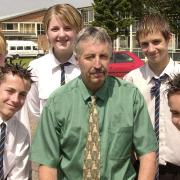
[(2, 142), (63, 72), (155, 91), (91, 167)]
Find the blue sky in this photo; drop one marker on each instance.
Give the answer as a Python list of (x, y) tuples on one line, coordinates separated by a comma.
[(9, 8)]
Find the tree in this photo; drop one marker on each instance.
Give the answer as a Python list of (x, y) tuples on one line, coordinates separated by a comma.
[(114, 15), (117, 15)]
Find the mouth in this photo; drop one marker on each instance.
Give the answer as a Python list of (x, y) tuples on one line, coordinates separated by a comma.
[(12, 107)]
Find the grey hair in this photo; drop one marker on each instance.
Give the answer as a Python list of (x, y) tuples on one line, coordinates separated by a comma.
[(98, 34)]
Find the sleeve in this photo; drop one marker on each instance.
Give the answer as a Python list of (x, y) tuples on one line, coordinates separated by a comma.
[(22, 168), (24, 118), (33, 101), (45, 147), (144, 139)]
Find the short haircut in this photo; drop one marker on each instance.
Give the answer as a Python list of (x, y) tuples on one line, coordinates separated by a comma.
[(174, 86), (15, 69), (97, 34), (66, 13), (151, 23), (3, 44)]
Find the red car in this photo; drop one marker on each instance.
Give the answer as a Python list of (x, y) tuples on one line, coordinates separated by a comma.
[(122, 62)]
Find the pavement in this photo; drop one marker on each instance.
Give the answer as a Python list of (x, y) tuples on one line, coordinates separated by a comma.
[(33, 124)]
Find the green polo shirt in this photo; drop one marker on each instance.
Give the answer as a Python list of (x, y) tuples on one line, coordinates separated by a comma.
[(123, 121)]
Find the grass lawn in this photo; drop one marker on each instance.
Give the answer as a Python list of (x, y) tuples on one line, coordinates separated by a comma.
[(24, 61)]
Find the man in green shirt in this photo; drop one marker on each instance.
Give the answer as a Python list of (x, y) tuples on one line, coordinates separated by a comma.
[(124, 125)]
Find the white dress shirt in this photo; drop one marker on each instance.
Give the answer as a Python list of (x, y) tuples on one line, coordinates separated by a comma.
[(169, 135), (16, 158), (46, 73)]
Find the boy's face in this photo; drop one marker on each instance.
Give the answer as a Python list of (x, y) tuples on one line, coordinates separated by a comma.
[(155, 48), (13, 91), (174, 105)]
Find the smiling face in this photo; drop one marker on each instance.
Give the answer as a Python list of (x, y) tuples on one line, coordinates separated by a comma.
[(155, 48), (93, 62), (13, 90), (61, 36)]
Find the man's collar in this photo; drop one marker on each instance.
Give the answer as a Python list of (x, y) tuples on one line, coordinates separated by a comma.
[(100, 94)]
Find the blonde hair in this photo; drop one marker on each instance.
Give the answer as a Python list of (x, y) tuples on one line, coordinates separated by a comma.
[(3, 44), (66, 13)]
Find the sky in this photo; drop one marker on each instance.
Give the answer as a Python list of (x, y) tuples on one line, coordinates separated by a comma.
[(9, 8)]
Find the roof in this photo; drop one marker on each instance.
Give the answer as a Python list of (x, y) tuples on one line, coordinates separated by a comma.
[(9, 8)]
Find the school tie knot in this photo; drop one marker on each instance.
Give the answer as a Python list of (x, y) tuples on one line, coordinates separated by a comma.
[(156, 88), (63, 72)]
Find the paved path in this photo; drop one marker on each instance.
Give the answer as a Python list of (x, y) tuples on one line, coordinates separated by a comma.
[(34, 166)]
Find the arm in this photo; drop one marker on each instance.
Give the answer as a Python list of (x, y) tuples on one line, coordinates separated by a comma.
[(47, 173), (33, 101), (147, 168)]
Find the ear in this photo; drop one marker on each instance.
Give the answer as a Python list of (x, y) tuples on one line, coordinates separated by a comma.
[(169, 37), (77, 61)]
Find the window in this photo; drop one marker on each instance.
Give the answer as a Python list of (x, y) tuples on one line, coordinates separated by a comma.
[(35, 48), (88, 16), (19, 47), (122, 58), (27, 47), (27, 27), (10, 26), (40, 29), (13, 48)]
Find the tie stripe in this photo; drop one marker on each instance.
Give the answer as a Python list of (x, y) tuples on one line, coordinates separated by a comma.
[(63, 72), (155, 91), (2, 142)]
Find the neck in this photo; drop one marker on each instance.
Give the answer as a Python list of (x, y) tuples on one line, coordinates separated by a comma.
[(158, 68), (62, 57)]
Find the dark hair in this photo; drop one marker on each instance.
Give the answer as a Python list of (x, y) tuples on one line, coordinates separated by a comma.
[(16, 69), (174, 85)]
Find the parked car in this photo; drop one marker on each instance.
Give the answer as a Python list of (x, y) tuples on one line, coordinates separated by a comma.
[(122, 62)]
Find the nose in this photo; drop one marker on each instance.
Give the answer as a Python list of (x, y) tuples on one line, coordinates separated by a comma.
[(97, 63), (61, 32), (151, 47), (15, 99)]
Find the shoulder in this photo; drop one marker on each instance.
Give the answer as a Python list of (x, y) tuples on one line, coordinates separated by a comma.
[(121, 84), (37, 62), (64, 92), (18, 131), (135, 72)]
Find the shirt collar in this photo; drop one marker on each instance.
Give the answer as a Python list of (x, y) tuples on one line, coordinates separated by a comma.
[(150, 74), (55, 63), (100, 94)]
